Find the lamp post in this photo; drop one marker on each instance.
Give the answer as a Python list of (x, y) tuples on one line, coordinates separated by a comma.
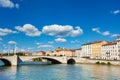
[(14, 49), (14, 44)]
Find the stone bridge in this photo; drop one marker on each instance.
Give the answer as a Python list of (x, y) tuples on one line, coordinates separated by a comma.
[(15, 60)]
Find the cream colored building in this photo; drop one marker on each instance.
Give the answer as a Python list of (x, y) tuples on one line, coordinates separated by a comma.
[(78, 53), (92, 50), (39, 53), (96, 49), (61, 52), (86, 50)]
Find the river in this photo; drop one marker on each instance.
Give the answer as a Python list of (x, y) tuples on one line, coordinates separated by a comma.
[(38, 71)]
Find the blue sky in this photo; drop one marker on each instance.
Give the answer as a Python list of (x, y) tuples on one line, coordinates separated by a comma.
[(47, 24)]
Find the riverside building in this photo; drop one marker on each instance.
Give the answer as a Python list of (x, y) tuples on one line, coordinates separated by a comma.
[(111, 51)]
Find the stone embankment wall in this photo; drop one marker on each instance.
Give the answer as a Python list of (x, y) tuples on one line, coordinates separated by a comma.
[(91, 61)]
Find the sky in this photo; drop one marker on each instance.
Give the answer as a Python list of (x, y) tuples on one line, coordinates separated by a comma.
[(34, 25)]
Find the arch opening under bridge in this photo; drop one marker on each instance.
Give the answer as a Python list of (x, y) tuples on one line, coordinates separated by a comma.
[(6, 62)]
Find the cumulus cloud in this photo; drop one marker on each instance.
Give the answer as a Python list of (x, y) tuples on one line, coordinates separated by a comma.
[(12, 42), (5, 31), (76, 32), (116, 12), (45, 46), (62, 40), (97, 30), (8, 4), (29, 30), (61, 30), (106, 33)]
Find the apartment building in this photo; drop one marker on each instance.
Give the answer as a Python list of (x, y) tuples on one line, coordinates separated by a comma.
[(78, 53), (96, 49), (111, 51), (86, 50), (62, 52)]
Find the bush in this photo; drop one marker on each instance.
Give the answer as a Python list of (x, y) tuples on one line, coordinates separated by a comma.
[(48, 54), (108, 63), (37, 59), (103, 63), (61, 55), (98, 62)]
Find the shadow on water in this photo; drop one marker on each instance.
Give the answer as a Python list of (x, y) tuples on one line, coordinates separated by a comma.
[(1, 63), (33, 63)]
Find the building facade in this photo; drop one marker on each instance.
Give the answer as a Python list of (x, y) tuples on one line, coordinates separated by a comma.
[(39, 53), (86, 50), (62, 52), (78, 53), (96, 49), (111, 51)]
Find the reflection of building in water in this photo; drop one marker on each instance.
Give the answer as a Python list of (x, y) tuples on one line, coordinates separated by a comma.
[(11, 72)]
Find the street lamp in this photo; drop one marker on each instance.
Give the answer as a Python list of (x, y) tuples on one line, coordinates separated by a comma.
[(13, 43)]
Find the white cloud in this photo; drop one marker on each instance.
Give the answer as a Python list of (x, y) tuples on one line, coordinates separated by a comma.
[(8, 4), (76, 32), (61, 30), (106, 33), (38, 43), (97, 30), (75, 41), (50, 42), (115, 35), (29, 30), (116, 12), (5, 31), (12, 42), (17, 5), (45, 46), (62, 40)]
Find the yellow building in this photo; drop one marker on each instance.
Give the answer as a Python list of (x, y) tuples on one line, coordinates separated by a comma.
[(62, 52), (96, 48)]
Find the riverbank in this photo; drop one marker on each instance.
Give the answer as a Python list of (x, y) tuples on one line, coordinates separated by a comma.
[(91, 61)]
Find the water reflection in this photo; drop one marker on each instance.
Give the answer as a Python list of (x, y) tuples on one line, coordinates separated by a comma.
[(60, 72), (8, 72)]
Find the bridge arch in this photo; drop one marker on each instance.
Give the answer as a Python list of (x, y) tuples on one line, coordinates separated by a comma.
[(6, 62), (71, 61), (53, 61)]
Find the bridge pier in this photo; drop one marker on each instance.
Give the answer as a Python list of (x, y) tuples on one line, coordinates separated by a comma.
[(11, 60), (15, 60)]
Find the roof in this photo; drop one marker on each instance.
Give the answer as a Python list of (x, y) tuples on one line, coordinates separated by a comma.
[(40, 52), (93, 42), (97, 42), (79, 49), (110, 43)]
